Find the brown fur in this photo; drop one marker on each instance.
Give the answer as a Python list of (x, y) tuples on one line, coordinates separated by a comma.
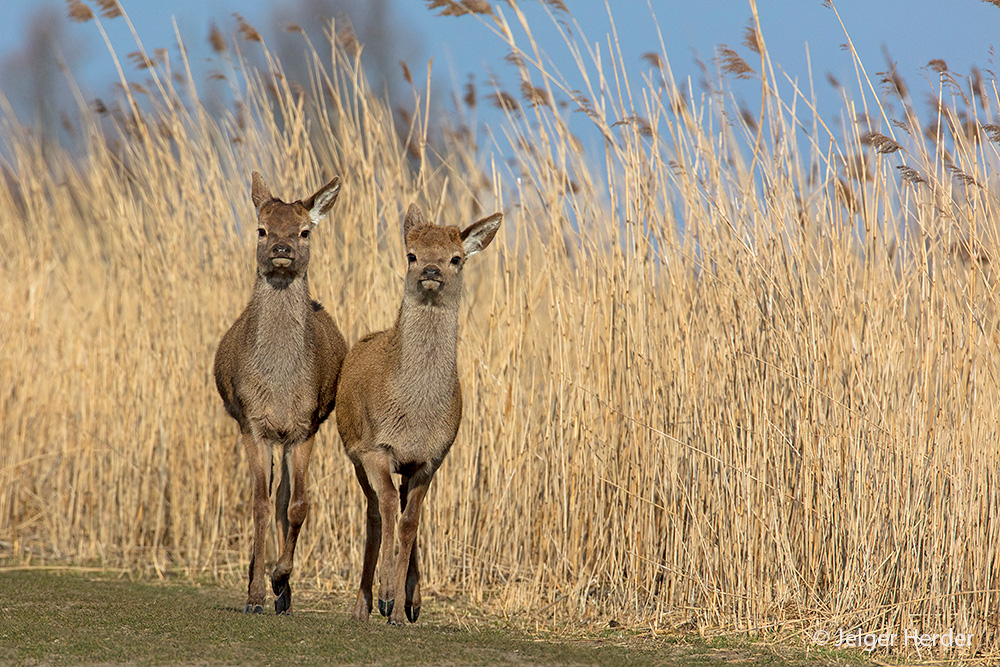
[(277, 370), (399, 404)]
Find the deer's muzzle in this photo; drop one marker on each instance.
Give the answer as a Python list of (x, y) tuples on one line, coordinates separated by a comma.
[(430, 278), (282, 255)]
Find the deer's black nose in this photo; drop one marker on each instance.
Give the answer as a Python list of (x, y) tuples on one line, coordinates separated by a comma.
[(281, 250), (430, 273)]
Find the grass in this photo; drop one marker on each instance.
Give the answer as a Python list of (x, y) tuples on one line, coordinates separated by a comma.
[(71, 618), (734, 371)]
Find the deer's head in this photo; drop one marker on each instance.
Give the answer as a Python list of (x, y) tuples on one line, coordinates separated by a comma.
[(436, 255), (283, 230)]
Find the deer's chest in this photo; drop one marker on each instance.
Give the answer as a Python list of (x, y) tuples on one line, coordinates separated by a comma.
[(421, 427), (284, 398)]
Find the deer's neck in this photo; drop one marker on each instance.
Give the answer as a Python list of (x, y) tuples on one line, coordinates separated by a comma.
[(279, 331), (427, 341)]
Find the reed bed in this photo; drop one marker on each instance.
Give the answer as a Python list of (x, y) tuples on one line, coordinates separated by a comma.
[(737, 371)]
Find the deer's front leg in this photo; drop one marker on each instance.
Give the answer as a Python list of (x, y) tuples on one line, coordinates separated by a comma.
[(259, 457), (373, 539), (412, 606), (416, 490), (378, 469)]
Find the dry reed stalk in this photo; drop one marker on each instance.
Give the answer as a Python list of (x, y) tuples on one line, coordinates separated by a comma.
[(700, 390)]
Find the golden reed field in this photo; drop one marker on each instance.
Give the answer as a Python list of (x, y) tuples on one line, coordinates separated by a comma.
[(739, 370)]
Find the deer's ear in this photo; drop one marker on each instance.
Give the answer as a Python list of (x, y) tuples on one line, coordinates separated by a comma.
[(322, 200), (414, 218), (259, 192), (479, 234)]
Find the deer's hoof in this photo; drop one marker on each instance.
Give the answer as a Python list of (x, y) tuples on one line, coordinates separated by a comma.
[(253, 609), (397, 617), (362, 609), (412, 612), (385, 606), (283, 589)]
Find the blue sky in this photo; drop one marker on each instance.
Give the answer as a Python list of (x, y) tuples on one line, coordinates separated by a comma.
[(960, 32)]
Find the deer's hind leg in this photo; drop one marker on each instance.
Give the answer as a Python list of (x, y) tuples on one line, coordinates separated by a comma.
[(293, 507), (282, 496)]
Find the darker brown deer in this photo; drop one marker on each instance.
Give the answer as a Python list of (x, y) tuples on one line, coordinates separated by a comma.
[(399, 405), (277, 369)]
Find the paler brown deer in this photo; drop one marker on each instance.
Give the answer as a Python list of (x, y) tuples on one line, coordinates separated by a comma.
[(277, 369), (399, 405)]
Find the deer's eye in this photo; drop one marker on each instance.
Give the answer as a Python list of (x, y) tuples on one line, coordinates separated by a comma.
[(304, 233), (410, 257), (456, 260), (261, 232)]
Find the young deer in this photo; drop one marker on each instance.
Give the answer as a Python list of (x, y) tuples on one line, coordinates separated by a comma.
[(399, 404), (276, 370)]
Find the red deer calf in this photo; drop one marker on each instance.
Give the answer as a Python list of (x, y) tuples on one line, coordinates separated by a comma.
[(399, 405), (276, 370)]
